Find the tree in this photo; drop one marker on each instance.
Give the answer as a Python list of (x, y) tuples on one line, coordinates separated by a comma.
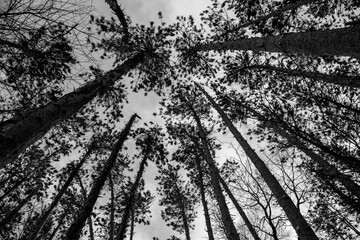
[(178, 198), (298, 222), (75, 229)]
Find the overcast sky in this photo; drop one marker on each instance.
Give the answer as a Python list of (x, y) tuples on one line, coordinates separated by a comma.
[(142, 12)]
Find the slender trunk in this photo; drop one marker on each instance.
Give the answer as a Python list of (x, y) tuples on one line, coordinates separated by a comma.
[(203, 198), (341, 80), (76, 227), (275, 13), (10, 215), (42, 220), (239, 209), (329, 170), (83, 190), (60, 222), (131, 201), (19, 132), (230, 229), (341, 42), (298, 222), (112, 208), (132, 226), (183, 214)]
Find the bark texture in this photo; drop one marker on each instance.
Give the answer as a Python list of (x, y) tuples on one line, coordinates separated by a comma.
[(334, 42), (19, 132), (298, 222), (76, 227)]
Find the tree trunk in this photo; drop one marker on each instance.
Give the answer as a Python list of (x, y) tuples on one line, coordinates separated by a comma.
[(240, 210), (19, 132), (183, 214), (298, 222), (75, 229), (230, 229), (275, 13), (131, 201), (341, 80), (132, 225), (338, 42), (331, 171), (83, 190), (60, 222), (203, 198), (112, 208), (41, 221), (8, 217)]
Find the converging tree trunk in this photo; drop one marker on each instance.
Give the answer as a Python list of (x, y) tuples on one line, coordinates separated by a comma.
[(19, 132), (76, 227), (42, 220), (203, 198), (230, 229), (341, 80), (239, 209), (338, 42), (11, 214), (130, 201), (298, 222)]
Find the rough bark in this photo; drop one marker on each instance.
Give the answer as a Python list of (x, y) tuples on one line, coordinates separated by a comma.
[(338, 42), (230, 229), (76, 227), (275, 13), (239, 209), (298, 222), (203, 199), (42, 220), (341, 80), (19, 132), (131, 201)]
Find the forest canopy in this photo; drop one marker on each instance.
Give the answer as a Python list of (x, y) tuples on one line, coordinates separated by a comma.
[(256, 132)]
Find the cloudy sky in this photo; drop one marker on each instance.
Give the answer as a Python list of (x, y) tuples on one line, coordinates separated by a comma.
[(142, 12)]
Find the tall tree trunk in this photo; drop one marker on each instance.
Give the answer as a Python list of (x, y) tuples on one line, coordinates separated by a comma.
[(338, 42), (42, 220), (60, 222), (298, 222), (239, 209), (112, 208), (131, 200), (329, 170), (76, 227), (10, 215), (19, 132), (83, 190), (341, 80), (183, 213), (230, 229), (203, 198), (275, 13), (132, 224)]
